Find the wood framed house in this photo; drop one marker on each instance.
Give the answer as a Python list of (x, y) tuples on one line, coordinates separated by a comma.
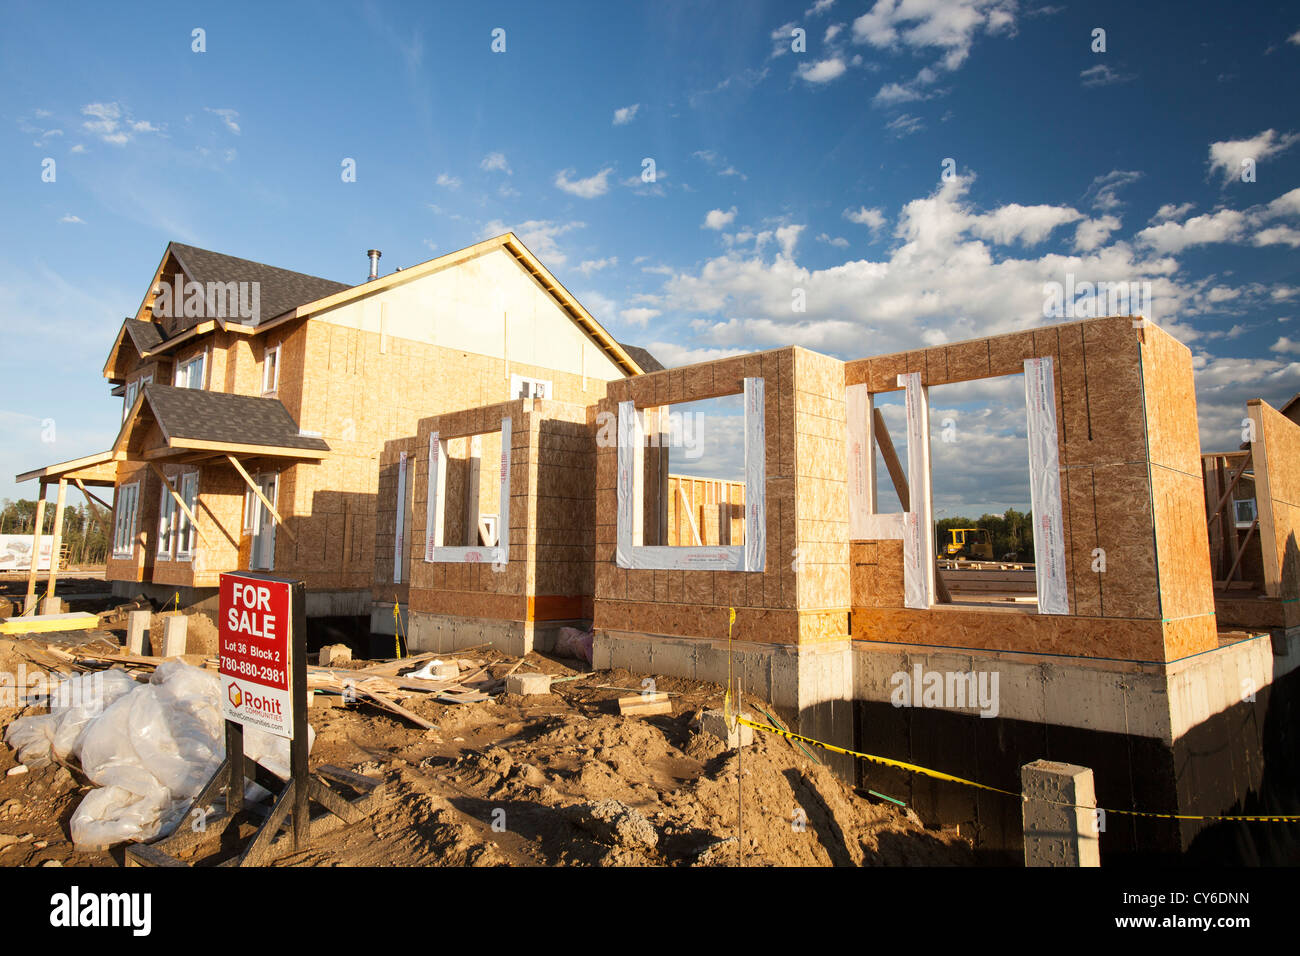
[(257, 402)]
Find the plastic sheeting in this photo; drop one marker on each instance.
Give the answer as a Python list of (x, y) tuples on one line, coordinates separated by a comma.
[(1045, 488), (918, 529), (434, 549), (150, 747)]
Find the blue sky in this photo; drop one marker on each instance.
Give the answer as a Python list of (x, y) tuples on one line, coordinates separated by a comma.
[(776, 170)]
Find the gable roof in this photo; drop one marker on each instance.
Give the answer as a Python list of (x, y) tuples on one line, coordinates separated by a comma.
[(530, 264), (643, 358), (279, 290), (193, 418)]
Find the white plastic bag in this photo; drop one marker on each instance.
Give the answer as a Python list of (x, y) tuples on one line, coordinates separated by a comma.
[(74, 702)]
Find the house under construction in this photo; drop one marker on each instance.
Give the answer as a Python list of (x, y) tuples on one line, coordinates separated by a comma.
[(460, 451)]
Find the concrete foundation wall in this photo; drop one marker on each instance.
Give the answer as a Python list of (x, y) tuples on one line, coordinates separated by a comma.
[(445, 633)]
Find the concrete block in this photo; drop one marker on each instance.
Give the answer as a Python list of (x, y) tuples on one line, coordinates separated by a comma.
[(54, 605), (331, 655), (527, 684), (1059, 815), (137, 633), (175, 628), (715, 722)]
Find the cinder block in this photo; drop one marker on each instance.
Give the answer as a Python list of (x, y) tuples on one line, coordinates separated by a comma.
[(137, 633), (175, 628), (1059, 809), (54, 605), (715, 722), (334, 654), (527, 684)]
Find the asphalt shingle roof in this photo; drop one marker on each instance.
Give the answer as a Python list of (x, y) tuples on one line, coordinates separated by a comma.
[(145, 335), (643, 358), (222, 417), (279, 290)]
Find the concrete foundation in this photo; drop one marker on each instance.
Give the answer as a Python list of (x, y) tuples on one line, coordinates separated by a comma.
[(175, 628), (445, 633)]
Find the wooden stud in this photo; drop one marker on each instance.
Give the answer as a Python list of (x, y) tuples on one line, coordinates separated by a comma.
[(58, 539), (36, 548), (179, 500), (258, 491)]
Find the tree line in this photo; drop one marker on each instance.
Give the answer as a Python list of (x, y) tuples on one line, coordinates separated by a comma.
[(86, 529)]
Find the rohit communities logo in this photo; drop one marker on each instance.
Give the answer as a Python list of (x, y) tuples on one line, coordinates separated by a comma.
[(258, 705)]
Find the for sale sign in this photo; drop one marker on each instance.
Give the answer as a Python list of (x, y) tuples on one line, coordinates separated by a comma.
[(255, 641)]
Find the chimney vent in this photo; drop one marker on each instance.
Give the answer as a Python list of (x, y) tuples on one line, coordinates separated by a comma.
[(374, 255)]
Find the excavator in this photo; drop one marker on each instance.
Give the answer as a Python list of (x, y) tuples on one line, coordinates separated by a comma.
[(979, 545)]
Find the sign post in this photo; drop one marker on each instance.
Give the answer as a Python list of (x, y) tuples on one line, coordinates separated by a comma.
[(263, 675)]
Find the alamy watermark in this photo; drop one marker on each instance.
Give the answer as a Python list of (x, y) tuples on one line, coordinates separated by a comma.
[(209, 300), (1091, 300), (951, 690)]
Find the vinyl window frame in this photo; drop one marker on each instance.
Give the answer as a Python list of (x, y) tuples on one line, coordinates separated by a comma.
[(434, 524), (631, 553), (126, 519)]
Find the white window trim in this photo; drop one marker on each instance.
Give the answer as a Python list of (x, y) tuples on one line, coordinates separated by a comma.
[(271, 388), (274, 498), (517, 380), (434, 550), (166, 523), (399, 536), (185, 550), (751, 556), (120, 528), (202, 359)]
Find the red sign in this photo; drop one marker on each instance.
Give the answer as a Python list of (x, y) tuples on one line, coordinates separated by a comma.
[(254, 625)]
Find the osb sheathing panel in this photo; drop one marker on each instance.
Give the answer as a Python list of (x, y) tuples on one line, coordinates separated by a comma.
[(1011, 630), (1280, 511), (1079, 504), (552, 478), (1126, 532), (1169, 388), (1182, 545), (1190, 635), (804, 406)]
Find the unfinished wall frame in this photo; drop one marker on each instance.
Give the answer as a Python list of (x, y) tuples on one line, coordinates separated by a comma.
[(434, 549), (631, 553)]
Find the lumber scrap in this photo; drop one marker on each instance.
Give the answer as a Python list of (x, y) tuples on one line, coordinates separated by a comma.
[(645, 705)]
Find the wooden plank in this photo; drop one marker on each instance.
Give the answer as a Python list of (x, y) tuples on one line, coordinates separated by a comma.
[(36, 551), (356, 781), (142, 854), (258, 851), (258, 491), (57, 546), (45, 623), (332, 802), (396, 708), (179, 500), (645, 705), (886, 446), (1254, 525)]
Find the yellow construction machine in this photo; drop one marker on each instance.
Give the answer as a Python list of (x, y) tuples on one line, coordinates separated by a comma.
[(978, 546)]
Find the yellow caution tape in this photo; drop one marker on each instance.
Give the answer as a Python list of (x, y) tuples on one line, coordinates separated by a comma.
[(939, 775)]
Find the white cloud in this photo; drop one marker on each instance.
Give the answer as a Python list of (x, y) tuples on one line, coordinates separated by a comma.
[(71, 218), (1228, 225), (595, 265), (113, 124), (1171, 213), (863, 216), (447, 181), (495, 162), (538, 235), (839, 242), (949, 26), (1285, 344), (1025, 224), (717, 219), (77, 149), (625, 114), (1093, 233), (228, 116), (674, 354), (821, 6), (904, 125), (1294, 38), (1103, 75), (1227, 155), (822, 71), (639, 316), (589, 188), (1102, 193)]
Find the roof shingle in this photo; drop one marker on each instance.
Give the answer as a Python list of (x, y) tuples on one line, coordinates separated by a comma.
[(222, 417)]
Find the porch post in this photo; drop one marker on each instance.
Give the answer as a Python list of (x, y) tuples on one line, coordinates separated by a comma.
[(36, 550), (58, 540)]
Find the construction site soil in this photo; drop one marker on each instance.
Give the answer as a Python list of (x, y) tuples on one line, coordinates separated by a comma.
[(555, 779)]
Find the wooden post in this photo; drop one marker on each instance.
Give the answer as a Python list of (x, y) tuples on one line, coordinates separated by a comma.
[(58, 539), (36, 550), (298, 746)]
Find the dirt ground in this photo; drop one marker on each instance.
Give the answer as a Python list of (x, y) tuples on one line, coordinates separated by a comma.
[(560, 779)]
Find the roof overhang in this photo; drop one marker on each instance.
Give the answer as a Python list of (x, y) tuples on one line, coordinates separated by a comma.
[(98, 469)]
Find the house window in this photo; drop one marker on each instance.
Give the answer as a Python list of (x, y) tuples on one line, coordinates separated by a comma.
[(166, 521), (132, 390), (1244, 512), (190, 374), (634, 529), (271, 371), (454, 508), (176, 532), (521, 387), (124, 520)]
